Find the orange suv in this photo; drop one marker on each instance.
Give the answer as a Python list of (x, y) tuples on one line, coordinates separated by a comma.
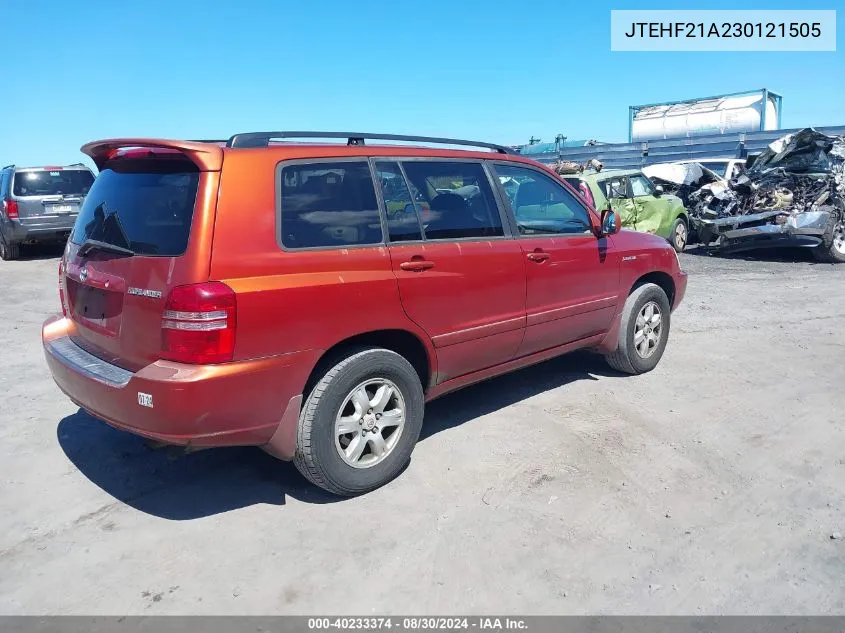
[(309, 298)]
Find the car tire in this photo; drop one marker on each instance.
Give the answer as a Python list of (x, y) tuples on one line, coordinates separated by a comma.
[(832, 248), (319, 442), (630, 356), (679, 235), (9, 250)]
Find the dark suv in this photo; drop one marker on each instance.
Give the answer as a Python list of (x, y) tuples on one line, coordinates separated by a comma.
[(39, 204)]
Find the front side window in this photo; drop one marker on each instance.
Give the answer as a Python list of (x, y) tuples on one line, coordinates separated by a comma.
[(453, 199), (640, 186), (614, 187), (542, 206), (329, 204), (716, 166)]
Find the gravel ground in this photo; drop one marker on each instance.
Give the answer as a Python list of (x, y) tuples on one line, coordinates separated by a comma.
[(711, 485)]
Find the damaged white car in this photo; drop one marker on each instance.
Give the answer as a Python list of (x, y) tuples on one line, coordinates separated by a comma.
[(792, 195)]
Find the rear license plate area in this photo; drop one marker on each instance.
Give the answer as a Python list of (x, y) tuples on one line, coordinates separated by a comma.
[(95, 308), (61, 209)]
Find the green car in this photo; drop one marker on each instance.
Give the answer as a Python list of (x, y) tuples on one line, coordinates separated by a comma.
[(641, 205)]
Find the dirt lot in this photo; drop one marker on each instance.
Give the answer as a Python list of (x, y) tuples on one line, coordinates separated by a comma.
[(711, 485)]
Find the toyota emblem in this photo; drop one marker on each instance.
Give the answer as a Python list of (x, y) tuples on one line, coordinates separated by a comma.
[(83, 274)]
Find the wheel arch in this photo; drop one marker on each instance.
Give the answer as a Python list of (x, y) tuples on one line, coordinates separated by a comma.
[(405, 343), (659, 278)]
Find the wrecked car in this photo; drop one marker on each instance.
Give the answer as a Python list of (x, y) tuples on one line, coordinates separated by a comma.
[(793, 194), (642, 206), (681, 178)]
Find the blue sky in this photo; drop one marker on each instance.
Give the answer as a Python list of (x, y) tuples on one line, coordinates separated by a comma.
[(496, 70)]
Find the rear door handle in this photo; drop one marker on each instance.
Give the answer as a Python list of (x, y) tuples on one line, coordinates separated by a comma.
[(538, 256), (416, 265)]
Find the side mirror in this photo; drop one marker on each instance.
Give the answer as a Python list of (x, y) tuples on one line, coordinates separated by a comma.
[(609, 222), (658, 191)]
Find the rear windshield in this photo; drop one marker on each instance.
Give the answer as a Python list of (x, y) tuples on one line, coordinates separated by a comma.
[(53, 183), (143, 205)]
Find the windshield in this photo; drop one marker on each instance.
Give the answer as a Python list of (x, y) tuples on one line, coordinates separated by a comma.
[(53, 183), (142, 205)]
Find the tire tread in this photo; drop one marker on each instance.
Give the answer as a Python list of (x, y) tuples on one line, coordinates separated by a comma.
[(304, 458)]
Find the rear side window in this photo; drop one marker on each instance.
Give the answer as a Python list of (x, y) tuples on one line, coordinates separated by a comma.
[(454, 199), (143, 205), (53, 183), (403, 221), (329, 204)]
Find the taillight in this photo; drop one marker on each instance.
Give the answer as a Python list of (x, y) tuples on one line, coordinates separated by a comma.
[(62, 293), (198, 324), (11, 209)]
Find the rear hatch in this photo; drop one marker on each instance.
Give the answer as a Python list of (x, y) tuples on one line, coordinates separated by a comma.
[(50, 196), (144, 228)]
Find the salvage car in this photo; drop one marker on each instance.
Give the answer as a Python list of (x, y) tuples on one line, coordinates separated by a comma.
[(288, 310), (793, 194), (39, 204), (642, 205)]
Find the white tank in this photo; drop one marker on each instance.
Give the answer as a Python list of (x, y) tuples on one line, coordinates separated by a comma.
[(707, 116)]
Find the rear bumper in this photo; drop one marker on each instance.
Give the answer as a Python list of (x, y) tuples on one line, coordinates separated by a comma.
[(15, 231), (232, 404)]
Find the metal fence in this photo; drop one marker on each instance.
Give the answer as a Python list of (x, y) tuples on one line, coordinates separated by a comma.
[(639, 154)]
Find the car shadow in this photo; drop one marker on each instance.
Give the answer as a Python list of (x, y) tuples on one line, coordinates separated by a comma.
[(497, 393), (172, 484), (35, 252)]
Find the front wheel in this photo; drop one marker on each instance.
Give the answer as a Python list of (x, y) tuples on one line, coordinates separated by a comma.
[(832, 249), (360, 422), (679, 235), (644, 331)]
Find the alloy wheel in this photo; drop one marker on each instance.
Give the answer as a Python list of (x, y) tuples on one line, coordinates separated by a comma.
[(648, 329), (369, 423)]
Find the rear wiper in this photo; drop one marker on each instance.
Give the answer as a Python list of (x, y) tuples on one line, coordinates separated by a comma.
[(96, 245)]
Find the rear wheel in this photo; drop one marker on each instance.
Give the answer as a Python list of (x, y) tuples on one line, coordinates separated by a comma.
[(360, 422), (679, 235), (9, 251), (644, 331)]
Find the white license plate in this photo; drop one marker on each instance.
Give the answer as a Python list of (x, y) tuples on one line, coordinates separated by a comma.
[(62, 208)]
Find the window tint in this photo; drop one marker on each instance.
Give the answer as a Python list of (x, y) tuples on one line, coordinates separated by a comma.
[(640, 186), (329, 204), (453, 199), (143, 205), (4, 183), (542, 205), (614, 187), (53, 183), (403, 223)]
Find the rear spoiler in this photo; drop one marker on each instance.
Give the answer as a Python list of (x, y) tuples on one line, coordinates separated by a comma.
[(206, 156)]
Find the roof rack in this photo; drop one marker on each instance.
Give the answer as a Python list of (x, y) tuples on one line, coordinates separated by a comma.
[(262, 139)]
